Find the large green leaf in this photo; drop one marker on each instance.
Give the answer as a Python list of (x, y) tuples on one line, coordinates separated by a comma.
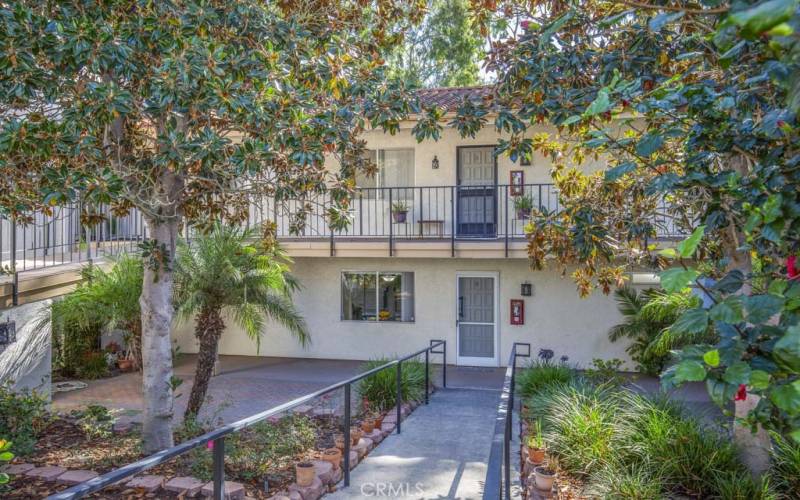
[(711, 358), (760, 308), (759, 380), (649, 144), (601, 104), (737, 373), (692, 321), (687, 247), (764, 16), (676, 279), (787, 397), (728, 311), (690, 370), (787, 350)]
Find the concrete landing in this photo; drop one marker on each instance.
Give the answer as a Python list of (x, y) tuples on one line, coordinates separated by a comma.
[(441, 452)]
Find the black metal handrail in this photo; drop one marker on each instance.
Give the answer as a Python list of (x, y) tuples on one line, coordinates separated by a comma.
[(498, 471), (217, 436)]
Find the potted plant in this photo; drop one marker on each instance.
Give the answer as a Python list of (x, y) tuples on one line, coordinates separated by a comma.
[(332, 456), (535, 443), (368, 424), (399, 212), (355, 435), (125, 364), (338, 441), (304, 472), (379, 421), (523, 204), (544, 476)]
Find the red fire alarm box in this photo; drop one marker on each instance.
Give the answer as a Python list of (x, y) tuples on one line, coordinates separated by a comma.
[(517, 312)]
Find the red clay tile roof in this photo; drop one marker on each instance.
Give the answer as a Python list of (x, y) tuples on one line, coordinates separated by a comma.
[(449, 98)]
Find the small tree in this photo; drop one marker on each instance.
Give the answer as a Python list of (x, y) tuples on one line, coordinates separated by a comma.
[(224, 272), (188, 110)]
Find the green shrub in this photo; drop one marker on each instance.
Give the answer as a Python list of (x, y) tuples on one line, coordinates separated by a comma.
[(95, 421), (540, 374), (579, 426), (23, 417), (631, 482), (605, 372), (94, 365), (785, 468), (740, 485), (685, 453), (5, 457), (380, 388), (265, 447)]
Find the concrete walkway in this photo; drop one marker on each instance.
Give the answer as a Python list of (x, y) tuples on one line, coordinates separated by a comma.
[(441, 453)]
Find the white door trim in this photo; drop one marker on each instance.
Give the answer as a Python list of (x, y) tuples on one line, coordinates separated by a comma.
[(473, 361)]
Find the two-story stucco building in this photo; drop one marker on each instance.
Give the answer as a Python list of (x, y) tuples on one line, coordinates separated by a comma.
[(436, 250)]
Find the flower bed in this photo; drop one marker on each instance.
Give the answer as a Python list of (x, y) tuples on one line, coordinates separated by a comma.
[(606, 441), (262, 459)]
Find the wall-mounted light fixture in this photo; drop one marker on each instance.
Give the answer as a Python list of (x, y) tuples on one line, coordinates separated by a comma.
[(526, 289), (435, 163), (8, 333)]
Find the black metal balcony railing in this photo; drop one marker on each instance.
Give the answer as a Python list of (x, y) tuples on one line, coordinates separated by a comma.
[(430, 212), (449, 213)]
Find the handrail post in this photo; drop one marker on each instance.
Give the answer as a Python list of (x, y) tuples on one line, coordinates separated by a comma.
[(391, 226), (347, 435), (426, 375), (505, 202), (452, 221), (444, 364), (13, 268), (399, 399), (219, 468)]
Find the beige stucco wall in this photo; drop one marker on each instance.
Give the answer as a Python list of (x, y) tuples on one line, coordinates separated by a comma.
[(445, 150), (555, 317)]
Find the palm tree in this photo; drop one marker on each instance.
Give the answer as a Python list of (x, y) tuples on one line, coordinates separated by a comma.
[(648, 315), (104, 300), (223, 271)]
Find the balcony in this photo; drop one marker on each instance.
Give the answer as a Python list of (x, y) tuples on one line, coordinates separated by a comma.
[(456, 219)]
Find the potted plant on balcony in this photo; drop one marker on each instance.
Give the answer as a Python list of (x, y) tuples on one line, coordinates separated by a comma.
[(523, 204), (544, 477), (399, 212)]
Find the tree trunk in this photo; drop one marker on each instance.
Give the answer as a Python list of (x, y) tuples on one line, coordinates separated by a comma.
[(157, 311), (754, 447), (208, 328)]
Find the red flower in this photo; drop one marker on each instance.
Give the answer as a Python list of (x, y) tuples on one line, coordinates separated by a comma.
[(791, 267), (741, 394), (525, 24)]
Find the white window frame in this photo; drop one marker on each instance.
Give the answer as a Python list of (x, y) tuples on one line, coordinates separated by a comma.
[(377, 296), (379, 175)]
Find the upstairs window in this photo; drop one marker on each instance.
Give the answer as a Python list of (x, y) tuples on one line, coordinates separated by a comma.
[(395, 170), (378, 296)]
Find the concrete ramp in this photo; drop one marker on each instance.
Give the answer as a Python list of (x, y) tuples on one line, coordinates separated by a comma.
[(441, 452)]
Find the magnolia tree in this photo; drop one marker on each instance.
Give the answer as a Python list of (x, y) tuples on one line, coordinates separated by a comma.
[(185, 110), (693, 106)]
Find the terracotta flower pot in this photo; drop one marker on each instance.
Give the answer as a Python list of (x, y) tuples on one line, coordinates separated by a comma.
[(536, 455), (305, 473), (125, 365), (368, 425), (333, 456), (399, 217), (338, 440), (355, 435), (379, 421), (544, 478)]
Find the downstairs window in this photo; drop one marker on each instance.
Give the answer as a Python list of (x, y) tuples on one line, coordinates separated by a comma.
[(378, 296)]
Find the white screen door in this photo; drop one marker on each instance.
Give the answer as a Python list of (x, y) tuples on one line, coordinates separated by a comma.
[(477, 319)]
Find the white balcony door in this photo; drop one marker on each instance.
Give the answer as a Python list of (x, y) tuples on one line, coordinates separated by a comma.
[(476, 318)]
